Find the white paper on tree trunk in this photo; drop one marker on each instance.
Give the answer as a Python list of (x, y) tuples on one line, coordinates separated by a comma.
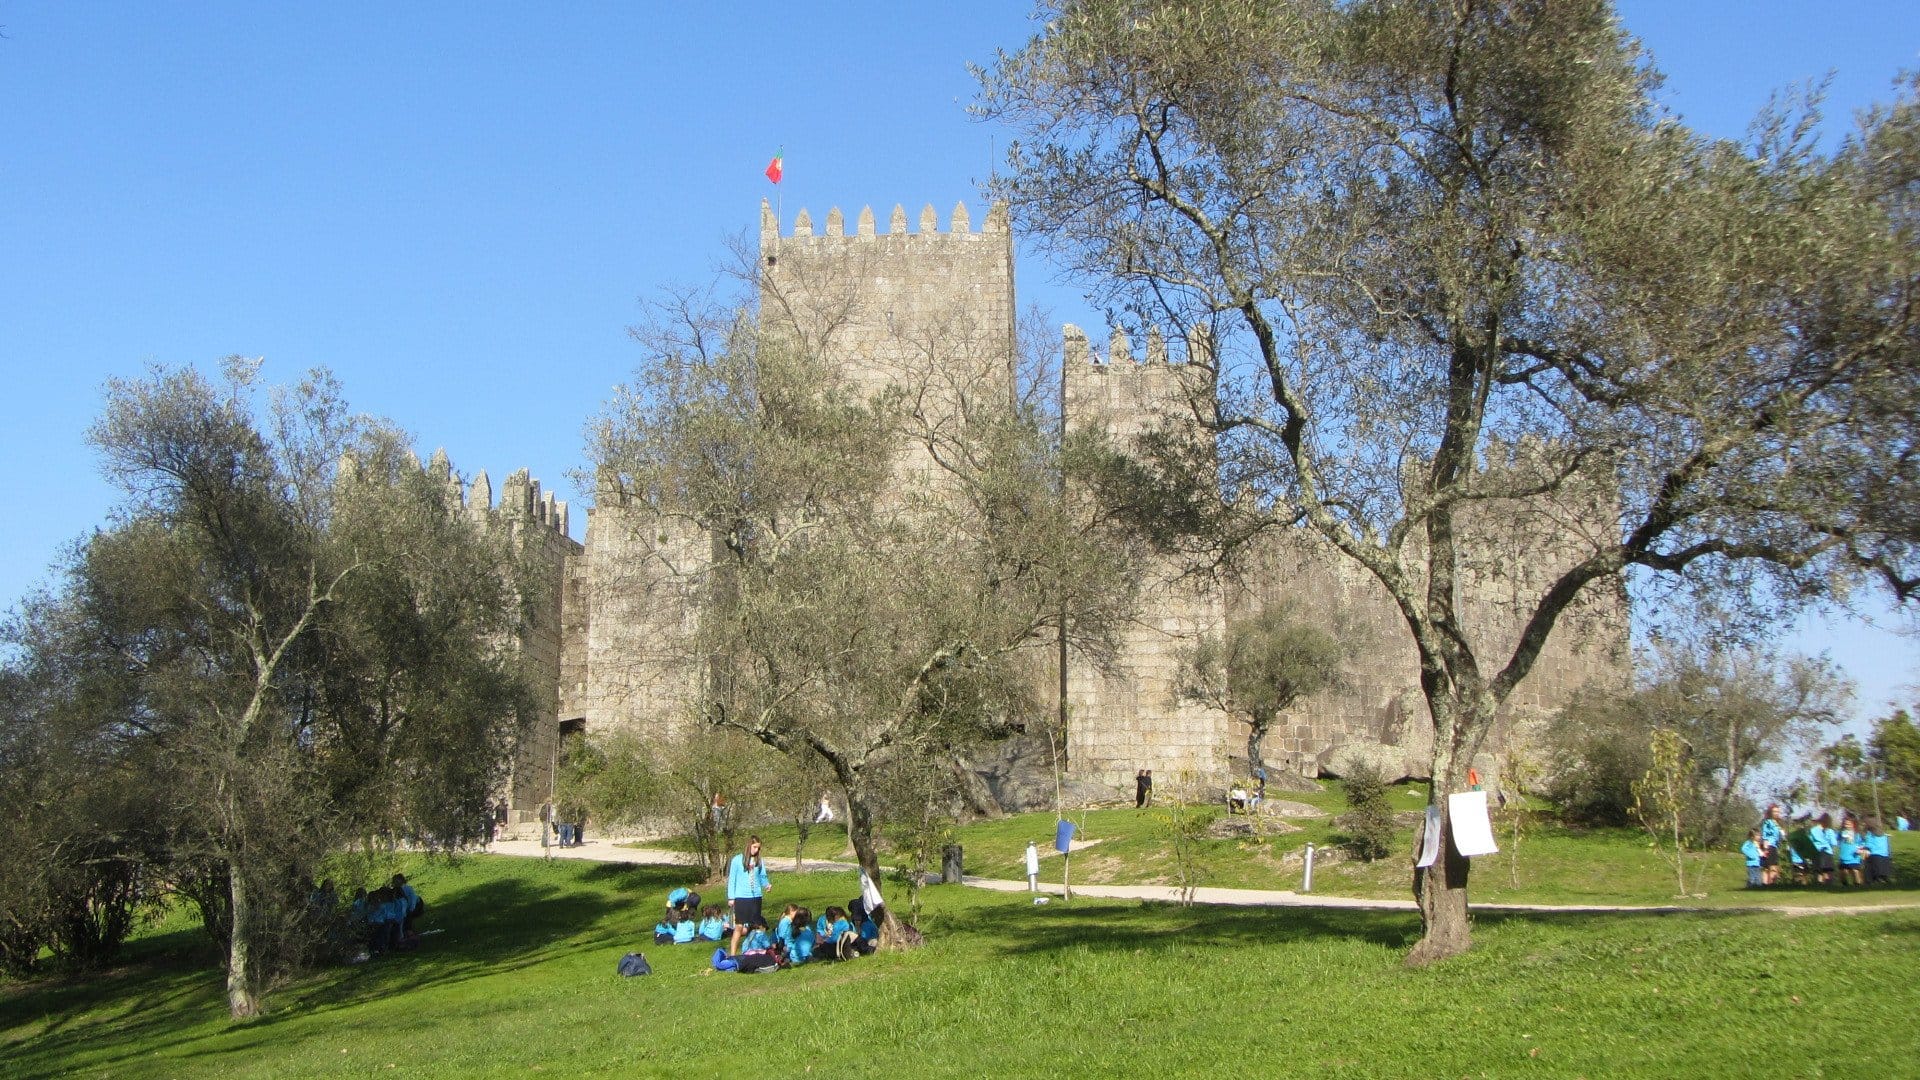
[(1472, 829), (1430, 839)]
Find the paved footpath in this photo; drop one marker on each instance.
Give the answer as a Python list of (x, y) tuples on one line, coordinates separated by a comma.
[(611, 851)]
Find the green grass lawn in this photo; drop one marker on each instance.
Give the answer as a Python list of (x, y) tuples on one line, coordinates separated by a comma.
[(521, 980), (1554, 864)]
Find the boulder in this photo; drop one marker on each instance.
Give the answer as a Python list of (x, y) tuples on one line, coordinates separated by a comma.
[(1394, 763)]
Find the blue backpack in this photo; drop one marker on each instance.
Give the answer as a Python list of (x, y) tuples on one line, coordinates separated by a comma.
[(634, 964)]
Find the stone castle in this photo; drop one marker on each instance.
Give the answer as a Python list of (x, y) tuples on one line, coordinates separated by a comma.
[(605, 648)]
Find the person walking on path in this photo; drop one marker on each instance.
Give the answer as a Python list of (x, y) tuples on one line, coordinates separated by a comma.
[(826, 809), (746, 884), (1033, 868)]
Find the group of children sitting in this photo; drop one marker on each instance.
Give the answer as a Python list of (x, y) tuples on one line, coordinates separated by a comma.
[(839, 934), (1816, 852), (386, 918)]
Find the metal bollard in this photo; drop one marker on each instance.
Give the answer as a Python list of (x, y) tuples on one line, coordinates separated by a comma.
[(1308, 885)]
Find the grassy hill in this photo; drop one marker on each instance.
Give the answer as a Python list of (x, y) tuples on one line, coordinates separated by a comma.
[(521, 981), (1555, 864)]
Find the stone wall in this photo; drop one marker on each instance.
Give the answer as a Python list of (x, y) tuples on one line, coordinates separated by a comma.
[(1126, 715), (536, 525), (631, 607)]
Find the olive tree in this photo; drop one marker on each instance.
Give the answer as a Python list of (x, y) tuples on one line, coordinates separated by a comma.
[(1426, 233), (1263, 665), (306, 642), (1737, 708)]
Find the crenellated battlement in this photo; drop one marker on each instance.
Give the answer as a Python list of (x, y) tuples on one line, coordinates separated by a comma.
[(1077, 349), (520, 497), (1127, 396), (520, 500), (959, 224)]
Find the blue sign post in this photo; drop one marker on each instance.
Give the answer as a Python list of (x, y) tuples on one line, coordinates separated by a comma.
[(1063, 843)]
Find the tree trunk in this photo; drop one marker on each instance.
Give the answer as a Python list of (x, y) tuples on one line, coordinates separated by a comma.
[(243, 992), (860, 835), (1256, 736), (1441, 889)]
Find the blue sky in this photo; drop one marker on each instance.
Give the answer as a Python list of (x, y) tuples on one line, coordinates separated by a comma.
[(458, 207)]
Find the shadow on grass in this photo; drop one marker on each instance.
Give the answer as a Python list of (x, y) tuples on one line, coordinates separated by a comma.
[(177, 1001), (496, 926), (1126, 925), (146, 985)]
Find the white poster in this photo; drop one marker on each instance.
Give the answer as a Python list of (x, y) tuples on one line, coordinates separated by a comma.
[(1430, 838), (869, 892), (1472, 830)]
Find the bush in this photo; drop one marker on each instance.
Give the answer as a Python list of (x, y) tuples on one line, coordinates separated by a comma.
[(1368, 821)]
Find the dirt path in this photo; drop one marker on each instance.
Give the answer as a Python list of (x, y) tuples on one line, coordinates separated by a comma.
[(610, 851)]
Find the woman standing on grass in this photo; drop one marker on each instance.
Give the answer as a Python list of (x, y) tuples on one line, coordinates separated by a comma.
[(746, 884)]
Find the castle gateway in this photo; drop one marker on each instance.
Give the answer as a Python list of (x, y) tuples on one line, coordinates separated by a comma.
[(606, 649)]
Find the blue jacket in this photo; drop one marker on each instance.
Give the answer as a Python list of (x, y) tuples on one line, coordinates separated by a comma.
[(1752, 851), (1771, 833), (713, 929), (1822, 838), (1879, 844), (800, 949), (1849, 847), (745, 884), (755, 940)]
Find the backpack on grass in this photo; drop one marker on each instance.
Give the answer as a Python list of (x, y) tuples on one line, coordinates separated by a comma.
[(634, 964)]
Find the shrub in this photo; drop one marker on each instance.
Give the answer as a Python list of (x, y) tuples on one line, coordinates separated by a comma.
[(1368, 821)]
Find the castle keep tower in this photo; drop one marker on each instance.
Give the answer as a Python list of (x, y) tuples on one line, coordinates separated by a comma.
[(929, 312)]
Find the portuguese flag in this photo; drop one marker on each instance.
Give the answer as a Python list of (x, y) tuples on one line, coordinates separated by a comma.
[(776, 167)]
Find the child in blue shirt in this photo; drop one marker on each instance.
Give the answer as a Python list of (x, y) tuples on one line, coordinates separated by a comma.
[(800, 940), (757, 939), (1849, 850), (685, 931), (663, 930), (832, 929), (1751, 849), (1824, 840), (1773, 835), (783, 931), (713, 926), (1879, 853)]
